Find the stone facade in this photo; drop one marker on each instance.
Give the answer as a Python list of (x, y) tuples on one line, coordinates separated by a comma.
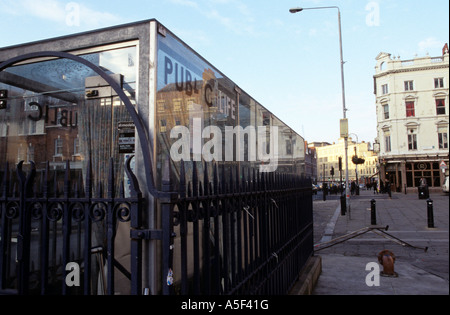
[(412, 106)]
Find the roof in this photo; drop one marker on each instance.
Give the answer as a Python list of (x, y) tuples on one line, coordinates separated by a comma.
[(100, 30)]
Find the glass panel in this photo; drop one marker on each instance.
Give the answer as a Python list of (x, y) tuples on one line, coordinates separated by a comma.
[(410, 111), (436, 182), (51, 115), (440, 107), (57, 111), (409, 179), (207, 118)]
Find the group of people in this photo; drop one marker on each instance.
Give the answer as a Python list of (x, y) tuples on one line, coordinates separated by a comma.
[(381, 187), (384, 187)]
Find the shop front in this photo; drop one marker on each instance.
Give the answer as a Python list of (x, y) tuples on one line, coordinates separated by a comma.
[(405, 176)]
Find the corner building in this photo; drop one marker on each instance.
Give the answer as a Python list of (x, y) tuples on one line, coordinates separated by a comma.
[(412, 119)]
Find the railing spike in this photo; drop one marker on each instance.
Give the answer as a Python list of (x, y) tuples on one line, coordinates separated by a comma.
[(55, 183), (111, 182), (121, 190), (67, 180), (88, 184), (182, 189), (194, 179), (5, 182), (206, 190), (216, 179)]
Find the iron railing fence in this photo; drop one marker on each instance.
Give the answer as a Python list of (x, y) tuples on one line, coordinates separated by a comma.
[(48, 224), (238, 233), (228, 233)]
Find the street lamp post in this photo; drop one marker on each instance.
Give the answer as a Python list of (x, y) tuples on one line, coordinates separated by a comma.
[(296, 10)]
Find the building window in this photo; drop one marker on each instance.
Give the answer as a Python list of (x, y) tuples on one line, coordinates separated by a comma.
[(163, 127), (412, 141), (438, 83), (32, 127), (288, 147), (58, 147), (161, 106), (386, 111), (416, 171), (21, 153), (76, 146), (409, 85), (440, 107), (30, 104), (385, 89), (387, 142), (3, 129), (30, 153), (191, 104), (443, 138), (177, 105), (410, 112)]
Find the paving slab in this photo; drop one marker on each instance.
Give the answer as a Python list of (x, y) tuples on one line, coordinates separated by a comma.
[(344, 265)]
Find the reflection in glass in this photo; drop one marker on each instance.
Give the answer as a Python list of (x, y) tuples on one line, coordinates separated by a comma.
[(193, 94), (52, 116), (49, 118)]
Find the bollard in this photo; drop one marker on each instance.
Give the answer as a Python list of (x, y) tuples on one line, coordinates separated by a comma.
[(430, 213), (343, 205), (373, 213)]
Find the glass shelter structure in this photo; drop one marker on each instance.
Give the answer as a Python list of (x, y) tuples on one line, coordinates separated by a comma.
[(105, 129)]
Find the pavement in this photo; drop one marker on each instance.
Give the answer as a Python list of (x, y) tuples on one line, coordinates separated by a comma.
[(345, 266)]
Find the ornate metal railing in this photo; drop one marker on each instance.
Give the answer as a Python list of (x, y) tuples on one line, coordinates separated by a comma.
[(44, 230), (228, 233), (248, 233)]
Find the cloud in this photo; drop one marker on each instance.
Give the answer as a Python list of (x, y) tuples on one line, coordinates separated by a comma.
[(93, 18), (234, 15), (430, 43), (240, 22), (61, 12), (44, 9), (187, 3)]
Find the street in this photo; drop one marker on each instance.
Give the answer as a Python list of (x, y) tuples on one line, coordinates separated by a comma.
[(344, 265)]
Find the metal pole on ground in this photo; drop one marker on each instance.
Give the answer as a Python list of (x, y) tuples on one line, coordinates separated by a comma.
[(373, 212), (430, 213)]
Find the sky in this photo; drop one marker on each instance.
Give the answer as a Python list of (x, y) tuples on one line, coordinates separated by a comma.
[(289, 63)]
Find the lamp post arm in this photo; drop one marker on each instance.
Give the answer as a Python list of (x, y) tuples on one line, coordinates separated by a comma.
[(299, 9)]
